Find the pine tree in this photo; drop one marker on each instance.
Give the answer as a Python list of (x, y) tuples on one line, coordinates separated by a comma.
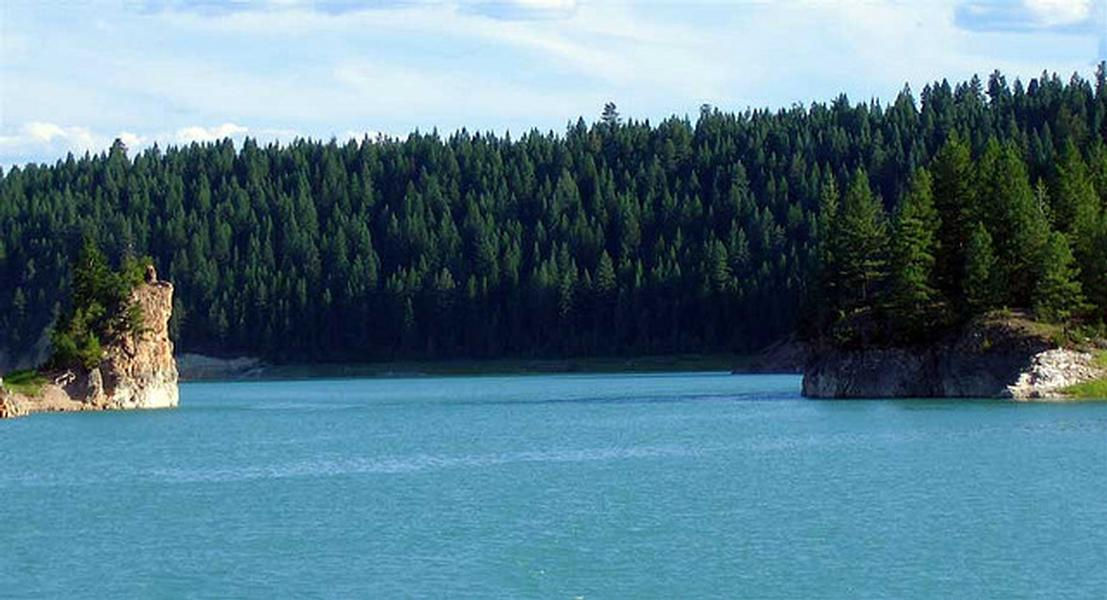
[(610, 116), (1078, 213), (861, 244), (605, 276), (1058, 295), (823, 295), (911, 294), (1009, 210), (1076, 205), (980, 290), (953, 199)]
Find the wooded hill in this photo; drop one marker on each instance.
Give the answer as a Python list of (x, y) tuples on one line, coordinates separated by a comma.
[(620, 237)]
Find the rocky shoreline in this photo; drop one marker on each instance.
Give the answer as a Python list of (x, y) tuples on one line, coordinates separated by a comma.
[(137, 372), (991, 358)]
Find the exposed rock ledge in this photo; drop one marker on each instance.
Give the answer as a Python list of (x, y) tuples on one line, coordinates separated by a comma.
[(996, 358), (138, 372)]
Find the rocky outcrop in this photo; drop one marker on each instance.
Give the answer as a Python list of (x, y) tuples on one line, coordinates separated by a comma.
[(137, 371), (993, 358)]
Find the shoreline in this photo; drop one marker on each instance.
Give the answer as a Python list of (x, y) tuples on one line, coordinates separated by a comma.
[(249, 369)]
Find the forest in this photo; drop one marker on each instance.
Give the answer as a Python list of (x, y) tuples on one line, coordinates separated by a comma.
[(865, 222)]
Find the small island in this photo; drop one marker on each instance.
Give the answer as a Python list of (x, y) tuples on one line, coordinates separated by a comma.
[(111, 346), (980, 283)]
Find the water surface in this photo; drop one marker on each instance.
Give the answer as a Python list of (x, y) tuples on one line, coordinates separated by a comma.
[(597, 486)]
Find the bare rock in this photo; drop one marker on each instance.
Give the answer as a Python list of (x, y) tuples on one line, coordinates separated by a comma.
[(140, 372), (1052, 371), (1007, 357), (11, 406)]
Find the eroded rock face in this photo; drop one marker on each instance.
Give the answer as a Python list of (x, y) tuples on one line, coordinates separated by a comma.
[(988, 360), (140, 372)]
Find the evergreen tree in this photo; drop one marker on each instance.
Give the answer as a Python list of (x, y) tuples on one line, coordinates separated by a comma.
[(912, 297), (1057, 296), (861, 244), (823, 295), (1018, 227), (981, 291), (953, 199)]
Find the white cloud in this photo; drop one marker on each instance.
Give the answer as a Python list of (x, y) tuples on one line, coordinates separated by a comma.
[(197, 133), (42, 136), (132, 140), (1051, 13), (281, 70), (43, 132), (36, 140)]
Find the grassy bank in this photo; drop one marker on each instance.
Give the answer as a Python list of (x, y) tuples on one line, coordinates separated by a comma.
[(641, 364), (27, 382), (1091, 390)]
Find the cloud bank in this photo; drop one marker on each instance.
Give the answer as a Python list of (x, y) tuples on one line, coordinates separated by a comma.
[(173, 72)]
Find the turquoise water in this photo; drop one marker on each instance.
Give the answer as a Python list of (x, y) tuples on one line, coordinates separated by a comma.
[(634, 486)]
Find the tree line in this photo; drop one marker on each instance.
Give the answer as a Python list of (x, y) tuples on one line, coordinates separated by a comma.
[(617, 237), (968, 235)]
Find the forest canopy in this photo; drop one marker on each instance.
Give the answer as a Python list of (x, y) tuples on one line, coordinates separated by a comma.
[(722, 233)]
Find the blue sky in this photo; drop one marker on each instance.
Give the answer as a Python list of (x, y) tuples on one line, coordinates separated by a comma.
[(75, 75)]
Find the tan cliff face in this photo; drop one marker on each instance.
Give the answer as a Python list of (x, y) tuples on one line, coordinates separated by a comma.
[(136, 372), (140, 371)]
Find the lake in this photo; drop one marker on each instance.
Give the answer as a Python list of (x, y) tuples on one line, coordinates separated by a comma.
[(590, 486)]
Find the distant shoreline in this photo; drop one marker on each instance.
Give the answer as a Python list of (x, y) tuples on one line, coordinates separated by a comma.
[(200, 368)]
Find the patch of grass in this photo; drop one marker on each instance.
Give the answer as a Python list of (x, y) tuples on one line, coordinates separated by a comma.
[(1088, 390), (1095, 389), (27, 382)]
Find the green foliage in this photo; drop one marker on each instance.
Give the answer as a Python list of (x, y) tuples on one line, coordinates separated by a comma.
[(981, 290), (101, 308), (953, 190), (1018, 227), (860, 244), (912, 297), (716, 231), (1058, 295), (27, 382)]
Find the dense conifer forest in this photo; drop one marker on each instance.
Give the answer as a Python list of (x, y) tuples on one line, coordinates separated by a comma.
[(867, 222)]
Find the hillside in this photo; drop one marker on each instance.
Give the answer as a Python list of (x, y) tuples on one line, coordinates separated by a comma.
[(615, 238)]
